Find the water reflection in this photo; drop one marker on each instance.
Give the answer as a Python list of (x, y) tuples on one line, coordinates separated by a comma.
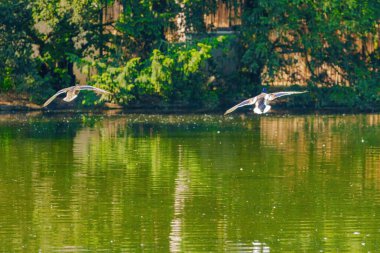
[(190, 183)]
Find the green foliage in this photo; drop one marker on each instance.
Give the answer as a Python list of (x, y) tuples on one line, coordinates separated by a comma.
[(132, 57), (66, 26), (368, 93), (324, 32), (142, 26), (160, 71), (336, 96), (6, 79), (173, 75), (16, 64)]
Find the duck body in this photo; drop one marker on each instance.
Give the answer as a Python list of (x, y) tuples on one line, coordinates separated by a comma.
[(71, 94), (261, 105)]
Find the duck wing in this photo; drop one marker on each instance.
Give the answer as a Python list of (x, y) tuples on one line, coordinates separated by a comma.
[(273, 96), (249, 101), (95, 89), (56, 95)]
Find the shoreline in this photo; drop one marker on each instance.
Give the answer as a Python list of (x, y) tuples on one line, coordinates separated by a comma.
[(11, 103), (22, 109)]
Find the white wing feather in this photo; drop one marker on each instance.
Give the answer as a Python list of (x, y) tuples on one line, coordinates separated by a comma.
[(249, 101), (275, 95), (55, 95), (88, 87)]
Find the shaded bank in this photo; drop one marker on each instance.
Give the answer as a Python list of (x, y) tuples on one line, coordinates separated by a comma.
[(320, 100), (16, 102)]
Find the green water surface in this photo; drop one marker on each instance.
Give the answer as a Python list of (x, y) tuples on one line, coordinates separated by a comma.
[(189, 183)]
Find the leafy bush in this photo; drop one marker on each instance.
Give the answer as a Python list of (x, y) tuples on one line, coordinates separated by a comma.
[(177, 74)]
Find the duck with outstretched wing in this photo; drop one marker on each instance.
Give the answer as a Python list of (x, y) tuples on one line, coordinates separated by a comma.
[(73, 91), (262, 100)]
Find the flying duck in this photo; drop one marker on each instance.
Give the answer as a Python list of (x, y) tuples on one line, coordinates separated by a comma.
[(73, 91), (261, 101)]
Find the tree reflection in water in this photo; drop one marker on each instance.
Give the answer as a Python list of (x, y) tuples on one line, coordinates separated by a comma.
[(190, 183)]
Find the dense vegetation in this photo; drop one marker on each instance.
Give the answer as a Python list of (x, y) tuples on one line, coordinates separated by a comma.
[(140, 58)]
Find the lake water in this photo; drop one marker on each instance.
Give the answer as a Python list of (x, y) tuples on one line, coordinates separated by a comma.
[(189, 183)]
